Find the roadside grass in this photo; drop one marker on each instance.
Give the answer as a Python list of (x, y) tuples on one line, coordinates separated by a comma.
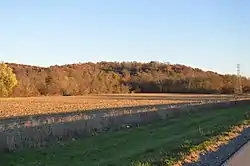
[(160, 142)]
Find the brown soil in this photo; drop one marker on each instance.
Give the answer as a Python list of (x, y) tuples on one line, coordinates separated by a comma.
[(42, 105)]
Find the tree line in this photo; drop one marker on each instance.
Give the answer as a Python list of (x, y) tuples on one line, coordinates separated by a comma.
[(120, 77)]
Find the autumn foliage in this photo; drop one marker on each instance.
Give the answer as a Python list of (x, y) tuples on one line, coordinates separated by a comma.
[(7, 80), (120, 77)]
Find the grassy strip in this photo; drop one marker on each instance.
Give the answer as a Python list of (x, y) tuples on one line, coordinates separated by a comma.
[(165, 142)]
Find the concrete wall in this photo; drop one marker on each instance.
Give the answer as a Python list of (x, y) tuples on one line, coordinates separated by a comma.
[(44, 134)]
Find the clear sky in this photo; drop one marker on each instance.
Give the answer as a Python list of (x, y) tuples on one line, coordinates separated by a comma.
[(208, 34)]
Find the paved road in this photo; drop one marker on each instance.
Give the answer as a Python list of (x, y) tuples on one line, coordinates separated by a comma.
[(241, 158)]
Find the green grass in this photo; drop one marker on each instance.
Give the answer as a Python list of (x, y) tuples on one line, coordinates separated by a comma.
[(150, 143)]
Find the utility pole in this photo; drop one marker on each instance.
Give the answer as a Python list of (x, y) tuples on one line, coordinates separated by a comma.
[(238, 82)]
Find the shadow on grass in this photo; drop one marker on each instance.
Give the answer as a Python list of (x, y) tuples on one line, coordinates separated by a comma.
[(43, 130), (19, 121), (35, 120), (159, 140), (166, 139)]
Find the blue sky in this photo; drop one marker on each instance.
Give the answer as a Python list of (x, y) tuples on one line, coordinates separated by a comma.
[(208, 34)]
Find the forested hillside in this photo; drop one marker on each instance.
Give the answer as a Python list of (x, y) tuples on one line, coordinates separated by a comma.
[(124, 77)]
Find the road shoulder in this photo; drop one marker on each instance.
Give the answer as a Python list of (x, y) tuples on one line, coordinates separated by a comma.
[(241, 157)]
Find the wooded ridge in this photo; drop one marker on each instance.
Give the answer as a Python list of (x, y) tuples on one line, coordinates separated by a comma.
[(120, 77)]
